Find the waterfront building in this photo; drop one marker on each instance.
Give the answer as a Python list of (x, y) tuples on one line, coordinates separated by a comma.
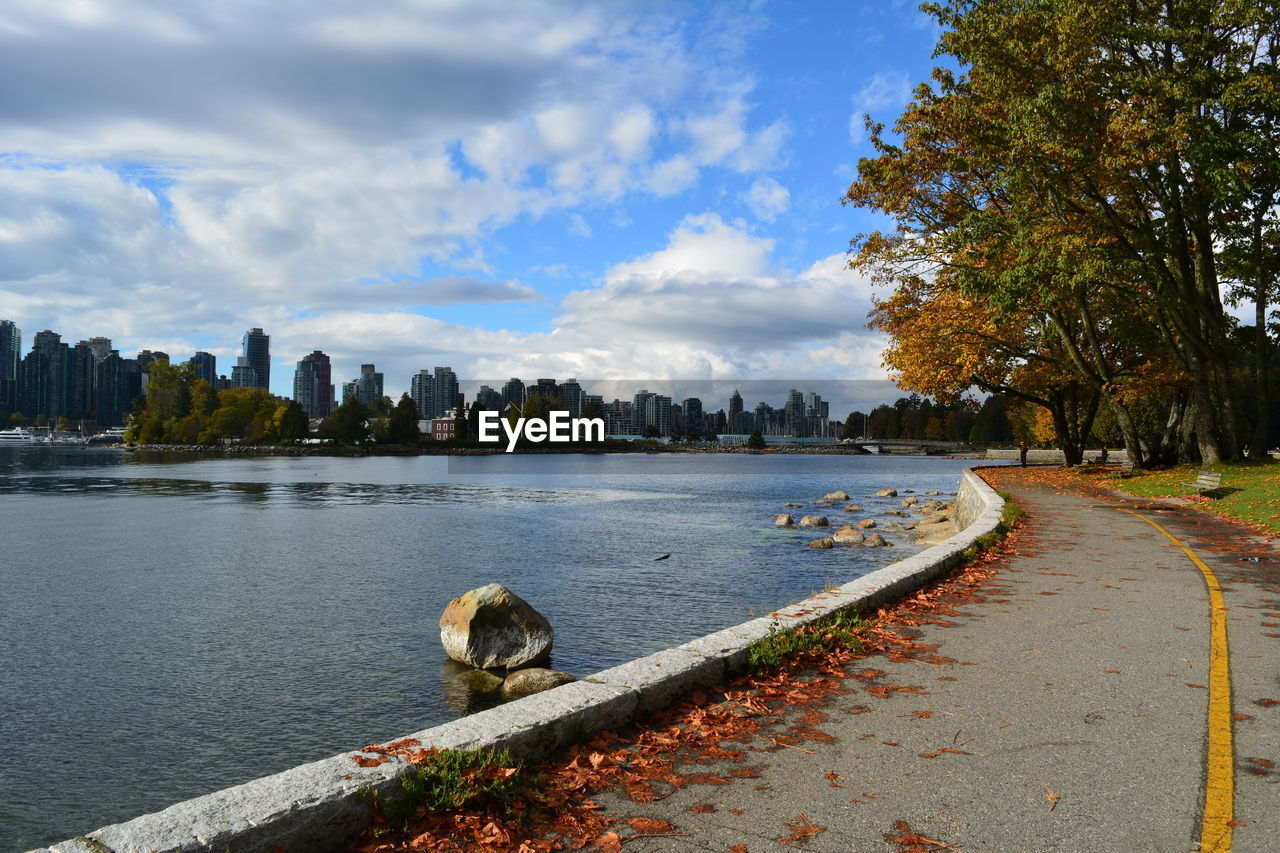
[(443, 429), (421, 386), (42, 381), (735, 406), (571, 397), (545, 388), (100, 346), (313, 385), (146, 356), (638, 403), (10, 359), (111, 397), (795, 419), (81, 400), (367, 387), (257, 354), (652, 410), (742, 423), (243, 375), (513, 393), (692, 416), (348, 391), (489, 399), (204, 366), (444, 391)]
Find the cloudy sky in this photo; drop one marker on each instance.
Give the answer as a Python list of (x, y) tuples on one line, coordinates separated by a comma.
[(603, 189)]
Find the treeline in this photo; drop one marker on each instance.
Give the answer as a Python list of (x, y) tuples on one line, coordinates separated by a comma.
[(1077, 195), (917, 417)]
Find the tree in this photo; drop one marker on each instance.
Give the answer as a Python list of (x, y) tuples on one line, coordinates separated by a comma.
[(755, 441), (853, 425), (291, 423), (349, 423), (402, 425)]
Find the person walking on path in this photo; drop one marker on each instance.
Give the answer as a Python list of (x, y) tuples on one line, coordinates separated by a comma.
[(1022, 453)]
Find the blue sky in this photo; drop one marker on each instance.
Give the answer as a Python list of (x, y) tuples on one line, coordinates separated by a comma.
[(605, 190)]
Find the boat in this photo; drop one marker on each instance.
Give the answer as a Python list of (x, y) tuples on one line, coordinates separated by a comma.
[(115, 435), (17, 435)]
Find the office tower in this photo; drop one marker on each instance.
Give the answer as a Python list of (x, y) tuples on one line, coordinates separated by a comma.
[(513, 393), (692, 415), (10, 358), (313, 385), (638, 403), (42, 380), (257, 351), (146, 356), (657, 414), (80, 377), (204, 366), (546, 388), (134, 381), (421, 390), (100, 346), (489, 399), (349, 391), (111, 390), (368, 385), (735, 405), (243, 375), (571, 397), (444, 391), (765, 420), (795, 414)]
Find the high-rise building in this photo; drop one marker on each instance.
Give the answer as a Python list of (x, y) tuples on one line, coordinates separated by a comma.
[(657, 414), (42, 384), (546, 388), (795, 420), (10, 358), (146, 356), (420, 389), (204, 366), (111, 390), (367, 386), (243, 375), (80, 377), (513, 393), (313, 385), (638, 404), (692, 415), (489, 399), (257, 349), (100, 346), (444, 391), (735, 405), (571, 397)]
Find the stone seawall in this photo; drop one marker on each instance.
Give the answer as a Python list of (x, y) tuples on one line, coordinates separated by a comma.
[(317, 806)]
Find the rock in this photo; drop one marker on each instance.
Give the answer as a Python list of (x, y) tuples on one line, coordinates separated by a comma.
[(908, 491), (836, 496), (526, 682), (814, 521), (822, 543), (478, 680), (823, 502), (848, 535), (932, 492), (899, 513), (784, 520), (493, 628), (911, 501), (852, 508), (931, 506), (866, 524), (793, 505), (875, 540), (887, 493)]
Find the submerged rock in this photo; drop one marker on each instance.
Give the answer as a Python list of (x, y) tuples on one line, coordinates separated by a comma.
[(822, 543), (911, 501), (493, 628), (887, 493), (526, 682), (836, 496), (875, 540), (866, 524), (852, 508)]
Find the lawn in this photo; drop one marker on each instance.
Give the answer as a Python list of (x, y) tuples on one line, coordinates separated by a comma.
[(1250, 490)]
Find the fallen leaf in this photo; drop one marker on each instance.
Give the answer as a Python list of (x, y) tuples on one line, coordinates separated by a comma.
[(802, 828), (703, 808), (1052, 798)]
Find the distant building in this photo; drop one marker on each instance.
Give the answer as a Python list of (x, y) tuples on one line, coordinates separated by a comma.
[(112, 390), (204, 366), (546, 388), (444, 391), (313, 385), (367, 387), (794, 413), (257, 352), (421, 386), (10, 358), (692, 416), (638, 403), (443, 429), (243, 375), (100, 346), (735, 406), (571, 397), (513, 393), (146, 357), (489, 399)]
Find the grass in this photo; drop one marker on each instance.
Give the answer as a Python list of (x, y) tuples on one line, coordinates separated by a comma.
[(837, 631), (1250, 491), (451, 778)]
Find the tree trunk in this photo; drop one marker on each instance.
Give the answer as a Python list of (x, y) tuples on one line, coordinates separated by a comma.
[(1261, 347)]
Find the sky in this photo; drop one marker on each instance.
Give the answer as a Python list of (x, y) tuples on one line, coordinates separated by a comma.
[(607, 190)]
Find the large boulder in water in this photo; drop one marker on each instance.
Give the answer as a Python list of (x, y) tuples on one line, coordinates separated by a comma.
[(848, 535), (866, 524), (526, 682), (836, 496), (822, 543), (814, 521), (875, 540), (784, 520), (887, 493), (493, 628)]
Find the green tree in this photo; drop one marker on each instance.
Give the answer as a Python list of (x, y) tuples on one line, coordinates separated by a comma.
[(349, 423), (402, 426), (291, 423), (755, 441)]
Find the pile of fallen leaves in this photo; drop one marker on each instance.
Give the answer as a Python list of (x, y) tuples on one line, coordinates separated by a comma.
[(668, 752)]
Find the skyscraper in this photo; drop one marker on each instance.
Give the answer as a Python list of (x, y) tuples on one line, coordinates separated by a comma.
[(489, 399), (513, 393), (10, 358), (111, 390), (100, 346), (313, 385), (444, 391), (205, 366), (420, 389), (571, 397), (257, 351), (692, 416), (638, 404), (368, 385), (242, 375)]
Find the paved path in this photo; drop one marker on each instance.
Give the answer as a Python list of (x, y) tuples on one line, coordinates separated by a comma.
[(1078, 701)]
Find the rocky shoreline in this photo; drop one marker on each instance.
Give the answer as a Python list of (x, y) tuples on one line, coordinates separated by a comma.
[(429, 450)]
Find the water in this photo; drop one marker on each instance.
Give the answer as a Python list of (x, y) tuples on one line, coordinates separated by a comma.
[(171, 625)]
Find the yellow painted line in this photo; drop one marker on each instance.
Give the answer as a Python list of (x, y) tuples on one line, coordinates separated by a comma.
[(1219, 784)]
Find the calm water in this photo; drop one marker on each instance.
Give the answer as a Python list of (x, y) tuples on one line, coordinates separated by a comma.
[(173, 625)]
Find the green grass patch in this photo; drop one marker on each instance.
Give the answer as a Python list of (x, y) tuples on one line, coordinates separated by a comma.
[(451, 778), (837, 631), (1250, 491)]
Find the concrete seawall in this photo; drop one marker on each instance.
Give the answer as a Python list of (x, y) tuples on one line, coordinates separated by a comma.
[(320, 805)]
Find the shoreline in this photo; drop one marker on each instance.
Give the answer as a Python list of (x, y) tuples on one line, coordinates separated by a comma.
[(613, 448)]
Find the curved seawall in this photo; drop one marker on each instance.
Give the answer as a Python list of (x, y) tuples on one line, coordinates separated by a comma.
[(317, 806)]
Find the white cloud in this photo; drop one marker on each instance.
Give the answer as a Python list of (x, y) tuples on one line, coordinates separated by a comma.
[(888, 88), (767, 198)]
